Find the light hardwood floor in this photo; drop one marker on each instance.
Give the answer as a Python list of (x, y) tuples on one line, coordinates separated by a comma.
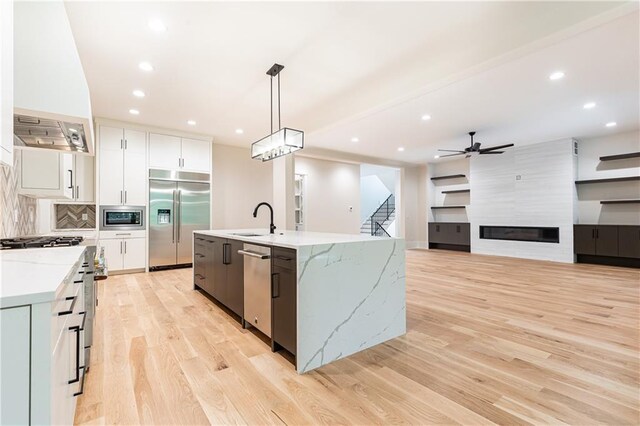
[(490, 340)]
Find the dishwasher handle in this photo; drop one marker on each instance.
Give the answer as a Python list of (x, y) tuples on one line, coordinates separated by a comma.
[(254, 254)]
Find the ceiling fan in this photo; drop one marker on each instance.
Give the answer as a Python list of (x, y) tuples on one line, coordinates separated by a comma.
[(475, 147)]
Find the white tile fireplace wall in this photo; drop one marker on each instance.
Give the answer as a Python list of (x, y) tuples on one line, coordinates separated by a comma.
[(531, 185), (17, 212)]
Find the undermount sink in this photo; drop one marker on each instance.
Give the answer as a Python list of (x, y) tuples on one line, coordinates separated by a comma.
[(247, 234)]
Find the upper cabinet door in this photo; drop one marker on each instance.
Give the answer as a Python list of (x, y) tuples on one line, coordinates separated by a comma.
[(135, 169), (44, 173), (196, 155), (164, 152), (111, 165), (84, 177), (6, 83)]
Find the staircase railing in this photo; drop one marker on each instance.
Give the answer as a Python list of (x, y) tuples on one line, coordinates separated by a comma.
[(382, 214), (379, 230)]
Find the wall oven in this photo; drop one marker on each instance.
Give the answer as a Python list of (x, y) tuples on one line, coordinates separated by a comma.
[(122, 218)]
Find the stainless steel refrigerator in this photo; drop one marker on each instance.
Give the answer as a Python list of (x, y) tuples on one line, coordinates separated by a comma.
[(179, 203)]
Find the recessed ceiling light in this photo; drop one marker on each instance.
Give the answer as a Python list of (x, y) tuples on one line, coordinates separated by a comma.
[(239, 131), (436, 156), (157, 25), (134, 111), (557, 75), (589, 105), (426, 117), (145, 66), (401, 149), (191, 122), (138, 93), (73, 130), (611, 124), (355, 140)]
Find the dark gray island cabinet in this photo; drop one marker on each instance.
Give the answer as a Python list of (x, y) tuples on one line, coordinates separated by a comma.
[(218, 270), (326, 296)]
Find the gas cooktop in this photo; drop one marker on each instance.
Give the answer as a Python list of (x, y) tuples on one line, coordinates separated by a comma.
[(38, 242)]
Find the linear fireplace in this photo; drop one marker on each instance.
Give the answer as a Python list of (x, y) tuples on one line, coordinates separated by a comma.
[(521, 233)]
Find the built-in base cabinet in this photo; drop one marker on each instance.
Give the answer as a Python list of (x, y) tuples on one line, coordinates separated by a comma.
[(219, 270), (283, 299), (124, 251), (42, 357), (450, 236), (607, 244)]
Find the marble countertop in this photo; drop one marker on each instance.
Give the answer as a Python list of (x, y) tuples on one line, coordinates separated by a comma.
[(32, 275), (288, 239)]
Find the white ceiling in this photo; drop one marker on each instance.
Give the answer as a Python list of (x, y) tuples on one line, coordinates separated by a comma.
[(349, 63)]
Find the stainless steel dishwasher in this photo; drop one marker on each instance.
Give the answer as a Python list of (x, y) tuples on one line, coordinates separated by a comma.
[(257, 287)]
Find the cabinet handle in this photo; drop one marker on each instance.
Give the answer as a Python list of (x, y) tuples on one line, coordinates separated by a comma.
[(225, 257), (124, 233), (70, 310), (437, 228), (121, 197), (125, 196), (81, 391), (275, 285), (70, 179), (597, 233), (125, 144), (77, 191), (125, 247), (121, 143), (458, 228), (76, 329), (120, 247)]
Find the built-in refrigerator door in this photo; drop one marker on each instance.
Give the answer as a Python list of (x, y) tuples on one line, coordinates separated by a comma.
[(162, 223), (193, 207)]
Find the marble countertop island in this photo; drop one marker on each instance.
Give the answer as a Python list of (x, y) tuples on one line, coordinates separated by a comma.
[(29, 276), (350, 290)]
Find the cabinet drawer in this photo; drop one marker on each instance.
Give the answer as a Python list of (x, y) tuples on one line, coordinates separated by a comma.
[(283, 258), (111, 235)]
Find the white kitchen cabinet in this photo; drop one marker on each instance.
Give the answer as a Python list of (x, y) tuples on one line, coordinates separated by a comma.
[(164, 152), (45, 173), (175, 153), (122, 164), (124, 250), (6, 83), (15, 325), (83, 178), (196, 155)]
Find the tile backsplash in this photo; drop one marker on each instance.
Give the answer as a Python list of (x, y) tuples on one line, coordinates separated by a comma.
[(75, 216), (18, 214)]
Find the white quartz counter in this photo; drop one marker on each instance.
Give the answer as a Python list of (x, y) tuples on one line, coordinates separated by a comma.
[(288, 239), (29, 276)]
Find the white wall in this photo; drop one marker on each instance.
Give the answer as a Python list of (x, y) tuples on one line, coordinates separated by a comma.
[(373, 192), (239, 184), (590, 211), (332, 195), (543, 195)]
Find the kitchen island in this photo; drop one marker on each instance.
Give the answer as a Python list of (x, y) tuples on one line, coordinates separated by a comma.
[(332, 295)]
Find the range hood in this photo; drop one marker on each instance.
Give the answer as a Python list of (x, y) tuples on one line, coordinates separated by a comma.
[(48, 131)]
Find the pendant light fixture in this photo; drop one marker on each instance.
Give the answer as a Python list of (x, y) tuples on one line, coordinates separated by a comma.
[(285, 140)]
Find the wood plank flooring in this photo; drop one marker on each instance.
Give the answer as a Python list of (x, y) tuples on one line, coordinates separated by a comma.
[(490, 340)]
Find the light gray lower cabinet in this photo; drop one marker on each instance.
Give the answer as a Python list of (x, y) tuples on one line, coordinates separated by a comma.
[(42, 357), (14, 365)]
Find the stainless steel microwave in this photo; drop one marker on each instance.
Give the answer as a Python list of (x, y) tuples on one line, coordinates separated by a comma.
[(122, 218)]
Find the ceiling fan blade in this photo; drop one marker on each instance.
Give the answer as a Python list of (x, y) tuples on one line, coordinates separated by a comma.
[(452, 155), (450, 150), (491, 152), (493, 148)]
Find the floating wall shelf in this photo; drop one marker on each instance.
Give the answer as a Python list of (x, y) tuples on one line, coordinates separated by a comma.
[(456, 191), (620, 201), (448, 207), (447, 177), (618, 179), (620, 156)]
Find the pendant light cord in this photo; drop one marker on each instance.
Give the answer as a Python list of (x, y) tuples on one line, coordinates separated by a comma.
[(271, 98), (279, 121), (271, 105)]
